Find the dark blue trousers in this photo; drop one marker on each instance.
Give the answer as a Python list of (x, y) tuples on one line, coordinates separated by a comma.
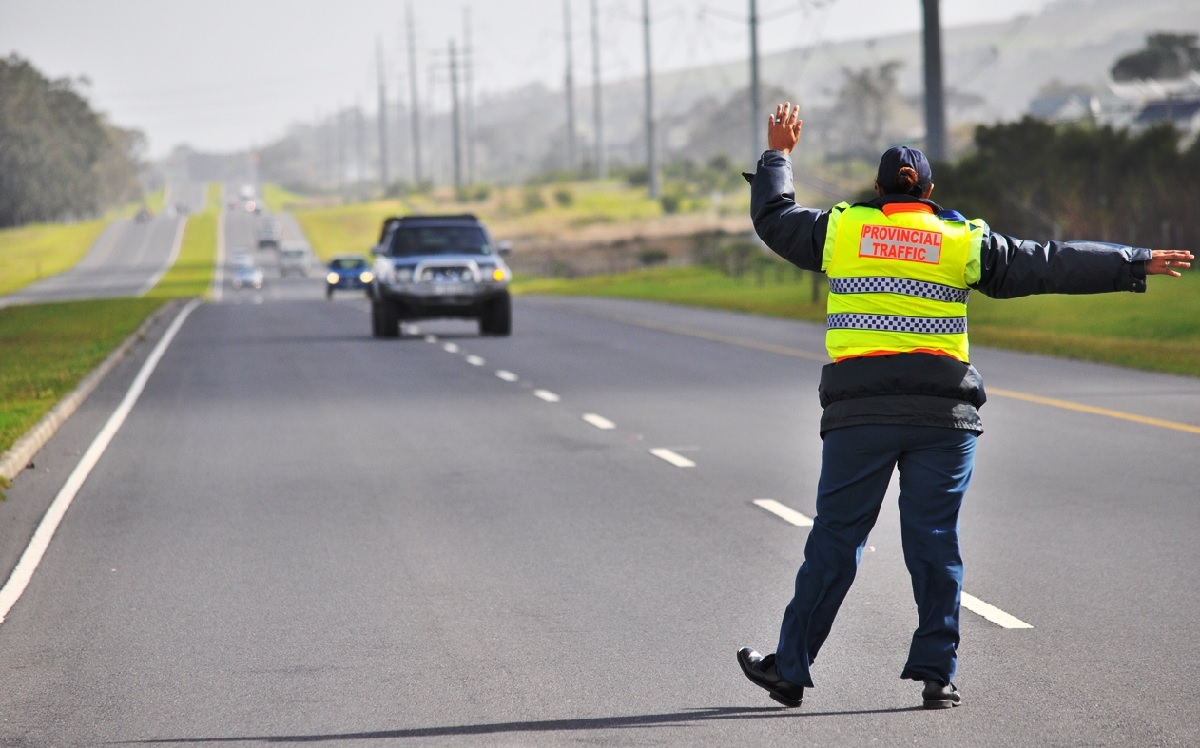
[(857, 464)]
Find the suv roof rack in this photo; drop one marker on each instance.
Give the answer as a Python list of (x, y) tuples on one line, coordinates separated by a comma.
[(432, 217)]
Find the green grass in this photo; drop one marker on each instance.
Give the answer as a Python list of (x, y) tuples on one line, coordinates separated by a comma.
[(1156, 331), (46, 349), (192, 273), (509, 212), (35, 251), (345, 229)]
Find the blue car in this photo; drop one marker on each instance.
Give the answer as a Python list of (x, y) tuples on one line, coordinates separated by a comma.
[(348, 272)]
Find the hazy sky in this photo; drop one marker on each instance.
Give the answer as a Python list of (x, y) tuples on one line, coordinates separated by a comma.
[(228, 74)]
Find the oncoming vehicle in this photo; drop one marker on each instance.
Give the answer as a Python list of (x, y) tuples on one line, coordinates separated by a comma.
[(439, 266), (294, 257), (248, 275), (268, 234), (348, 272)]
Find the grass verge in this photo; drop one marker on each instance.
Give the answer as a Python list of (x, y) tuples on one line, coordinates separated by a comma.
[(192, 273), (1156, 331), (30, 253), (46, 349)]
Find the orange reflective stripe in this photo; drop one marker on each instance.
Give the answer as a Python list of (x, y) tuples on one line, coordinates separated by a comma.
[(930, 351), (890, 209)]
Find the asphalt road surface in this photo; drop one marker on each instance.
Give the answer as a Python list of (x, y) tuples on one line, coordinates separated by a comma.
[(127, 260), (301, 534)]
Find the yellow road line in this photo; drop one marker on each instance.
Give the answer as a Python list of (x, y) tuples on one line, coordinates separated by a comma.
[(797, 353), (1054, 402)]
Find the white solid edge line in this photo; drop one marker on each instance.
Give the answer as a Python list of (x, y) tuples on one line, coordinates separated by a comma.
[(507, 376), (992, 613), (475, 361), (546, 395), (599, 421), (32, 556), (786, 513), (674, 458)]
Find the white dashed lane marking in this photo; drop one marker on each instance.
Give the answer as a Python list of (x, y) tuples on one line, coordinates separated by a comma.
[(992, 613), (475, 361), (786, 513), (970, 602), (599, 421), (450, 348), (546, 395), (507, 376), (674, 458)]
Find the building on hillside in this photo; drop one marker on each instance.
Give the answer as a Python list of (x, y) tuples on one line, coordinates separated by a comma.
[(1134, 105)]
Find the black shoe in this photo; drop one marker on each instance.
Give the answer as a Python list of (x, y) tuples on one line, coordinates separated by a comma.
[(761, 671), (938, 696)]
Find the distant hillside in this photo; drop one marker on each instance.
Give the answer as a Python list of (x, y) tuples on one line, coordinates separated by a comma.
[(992, 72)]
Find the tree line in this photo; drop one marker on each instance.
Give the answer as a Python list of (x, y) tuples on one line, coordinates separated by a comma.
[(1035, 180), (59, 159)]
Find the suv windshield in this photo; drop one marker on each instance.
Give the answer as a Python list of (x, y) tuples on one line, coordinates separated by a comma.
[(409, 241)]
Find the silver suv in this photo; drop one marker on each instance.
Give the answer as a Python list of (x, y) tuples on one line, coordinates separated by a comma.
[(439, 266)]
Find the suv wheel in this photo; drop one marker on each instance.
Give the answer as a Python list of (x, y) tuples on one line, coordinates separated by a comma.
[(385, 323), (497, 317)]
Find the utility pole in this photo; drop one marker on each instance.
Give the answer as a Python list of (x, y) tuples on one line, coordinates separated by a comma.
[(360, 147), (383, 149), (570, 87), (597, 99), (651, 151), (755, 89), (455, 131), (416, 111), (340, 139), (935, 107), (469, 96)]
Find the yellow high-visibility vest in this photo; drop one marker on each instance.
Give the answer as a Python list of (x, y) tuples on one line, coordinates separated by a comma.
[(898, 280)]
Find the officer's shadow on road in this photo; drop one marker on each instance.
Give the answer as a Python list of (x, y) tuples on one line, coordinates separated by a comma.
[(691, 716)]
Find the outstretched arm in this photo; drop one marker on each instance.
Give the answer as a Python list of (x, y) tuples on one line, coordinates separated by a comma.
[(1011, 267), (795, 233)]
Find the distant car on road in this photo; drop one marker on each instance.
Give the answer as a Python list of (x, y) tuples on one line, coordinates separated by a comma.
[(294, 257), (248, 276), (269, 233), (348, 272), (142, 215), (439, 266)]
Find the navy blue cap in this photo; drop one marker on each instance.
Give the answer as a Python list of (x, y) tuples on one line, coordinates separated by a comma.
[(894, 158)]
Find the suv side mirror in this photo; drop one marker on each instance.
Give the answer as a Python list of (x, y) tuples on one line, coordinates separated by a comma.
[(504, 247)]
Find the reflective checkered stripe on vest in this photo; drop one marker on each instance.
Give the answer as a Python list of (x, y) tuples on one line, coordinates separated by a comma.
[(896, 281)]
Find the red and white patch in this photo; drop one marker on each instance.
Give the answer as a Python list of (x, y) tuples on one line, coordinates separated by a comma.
[(899, 243)]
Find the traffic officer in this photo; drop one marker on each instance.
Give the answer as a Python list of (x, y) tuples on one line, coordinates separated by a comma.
[(901, 393)]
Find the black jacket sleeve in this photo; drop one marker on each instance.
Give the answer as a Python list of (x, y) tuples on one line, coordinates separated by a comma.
[(795, 233), (1012, 267)]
